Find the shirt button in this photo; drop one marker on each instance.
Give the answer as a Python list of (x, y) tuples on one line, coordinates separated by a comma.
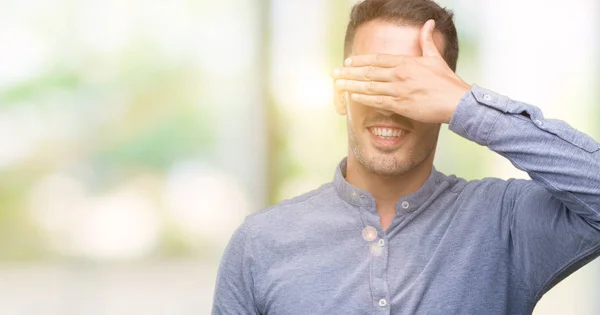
[(405, 204), (381, 242), (382, 303), (538, 122), (487, 97)]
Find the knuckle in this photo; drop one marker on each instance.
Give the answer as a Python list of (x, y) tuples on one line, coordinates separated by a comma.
[(401, 75), (371, 86), (379, 100), (369, 72)]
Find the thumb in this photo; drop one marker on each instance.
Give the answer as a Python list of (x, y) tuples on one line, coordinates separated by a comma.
[(427, 44)]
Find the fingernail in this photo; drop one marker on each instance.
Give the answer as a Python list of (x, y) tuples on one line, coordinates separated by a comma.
[(336, 72), (340, 82), (348, 62)]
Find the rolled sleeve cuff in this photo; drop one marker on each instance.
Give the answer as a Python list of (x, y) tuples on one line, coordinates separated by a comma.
[(473, 121)]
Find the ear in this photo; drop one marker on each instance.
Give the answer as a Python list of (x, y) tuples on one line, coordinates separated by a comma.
[(340, 100)]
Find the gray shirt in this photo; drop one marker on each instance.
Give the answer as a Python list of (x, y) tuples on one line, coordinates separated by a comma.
[(487, 246)]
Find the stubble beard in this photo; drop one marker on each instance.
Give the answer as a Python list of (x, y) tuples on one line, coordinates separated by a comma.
[(385, 162)]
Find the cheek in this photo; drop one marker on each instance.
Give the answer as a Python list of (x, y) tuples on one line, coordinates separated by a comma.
[(356, 114), (428, 132)]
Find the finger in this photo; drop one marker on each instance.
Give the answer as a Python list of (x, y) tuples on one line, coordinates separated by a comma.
[(378, 101), (340, 100), (342, 104), (366, 87), (367, 73), (377, 60), (426, 39)]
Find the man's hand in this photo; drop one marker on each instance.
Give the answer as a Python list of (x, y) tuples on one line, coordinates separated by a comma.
[(421, 88)]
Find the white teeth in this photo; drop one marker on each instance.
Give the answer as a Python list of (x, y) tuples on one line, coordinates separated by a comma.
[(387, 132)]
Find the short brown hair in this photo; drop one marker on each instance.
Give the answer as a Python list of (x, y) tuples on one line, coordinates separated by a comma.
[(406, 13)]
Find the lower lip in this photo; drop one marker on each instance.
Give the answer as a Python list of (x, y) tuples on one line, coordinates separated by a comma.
[(387, 142)]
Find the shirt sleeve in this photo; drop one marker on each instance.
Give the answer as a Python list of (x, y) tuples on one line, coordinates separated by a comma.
[(555, 218), (234, 288)]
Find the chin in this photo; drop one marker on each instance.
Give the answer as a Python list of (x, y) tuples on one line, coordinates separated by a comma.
[(388, 165)]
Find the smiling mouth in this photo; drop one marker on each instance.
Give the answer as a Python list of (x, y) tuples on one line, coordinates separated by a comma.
[(387, 139), (387, 133)]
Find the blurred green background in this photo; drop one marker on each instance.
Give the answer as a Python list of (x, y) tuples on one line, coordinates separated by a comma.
[(135, 136)]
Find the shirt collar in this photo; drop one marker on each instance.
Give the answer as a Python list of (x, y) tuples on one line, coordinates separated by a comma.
[(361, 198)]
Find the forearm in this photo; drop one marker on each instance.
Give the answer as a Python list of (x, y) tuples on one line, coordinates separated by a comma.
[(563, 160)]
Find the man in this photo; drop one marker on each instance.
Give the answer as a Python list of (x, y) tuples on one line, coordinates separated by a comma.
[(390, 234)]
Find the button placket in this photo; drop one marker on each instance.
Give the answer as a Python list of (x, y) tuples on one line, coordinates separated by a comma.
[(379, 261), (374, 235)]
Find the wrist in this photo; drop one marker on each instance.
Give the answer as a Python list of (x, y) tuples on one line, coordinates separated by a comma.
[(454, 99)]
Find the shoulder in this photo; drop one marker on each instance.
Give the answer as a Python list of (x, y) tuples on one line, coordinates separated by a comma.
[(489, 186), (294, 211), (490, 197), (301, 202)]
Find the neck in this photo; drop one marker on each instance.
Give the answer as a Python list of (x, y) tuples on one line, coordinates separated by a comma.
[(388, 189)]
